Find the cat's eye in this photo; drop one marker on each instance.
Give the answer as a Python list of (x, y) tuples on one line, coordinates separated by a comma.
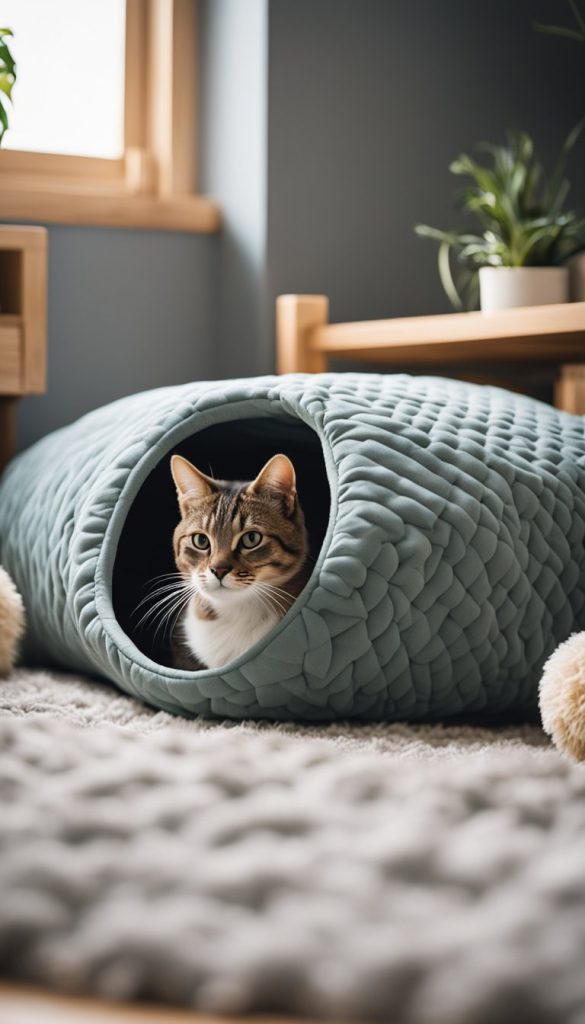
[(251, 539), (200, 541)]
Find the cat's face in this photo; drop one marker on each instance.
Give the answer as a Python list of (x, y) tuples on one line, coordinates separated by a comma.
[(236, 540)]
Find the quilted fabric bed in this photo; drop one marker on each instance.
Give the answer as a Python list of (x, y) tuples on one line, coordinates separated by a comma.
[(452, 564)]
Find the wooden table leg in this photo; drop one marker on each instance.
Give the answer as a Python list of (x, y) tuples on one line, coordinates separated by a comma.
[(570, 388), (296, 317), (7, 430)]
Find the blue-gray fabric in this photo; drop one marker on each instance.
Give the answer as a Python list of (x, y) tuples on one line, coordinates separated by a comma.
[(452, 566)]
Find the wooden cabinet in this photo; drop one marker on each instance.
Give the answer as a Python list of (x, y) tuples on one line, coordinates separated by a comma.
[(23, 324)]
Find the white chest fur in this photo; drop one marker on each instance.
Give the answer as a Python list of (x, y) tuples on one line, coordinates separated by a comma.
[(237, 627)]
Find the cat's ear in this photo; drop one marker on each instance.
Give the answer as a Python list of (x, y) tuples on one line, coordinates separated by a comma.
[(277, 476), (190, 482)]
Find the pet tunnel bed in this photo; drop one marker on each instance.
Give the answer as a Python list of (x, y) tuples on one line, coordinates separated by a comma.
[(447, 525)]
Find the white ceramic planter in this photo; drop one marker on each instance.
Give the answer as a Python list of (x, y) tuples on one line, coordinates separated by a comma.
[(507, 287)]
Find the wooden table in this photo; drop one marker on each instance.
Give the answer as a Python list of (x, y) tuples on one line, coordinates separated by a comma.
[(23, 324), (503, 347)]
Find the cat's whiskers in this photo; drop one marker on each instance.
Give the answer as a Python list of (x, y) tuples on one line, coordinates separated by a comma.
[(274, 603), (160, 594), (165, 604), (176, 610), (165, 577), (274, 600), (264, 602), (279, 591), (160, 591), (155, 613), (278, 609)]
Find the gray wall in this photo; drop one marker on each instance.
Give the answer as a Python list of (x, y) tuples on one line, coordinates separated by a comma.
[(128, 310), (369, 102), (233, 169)]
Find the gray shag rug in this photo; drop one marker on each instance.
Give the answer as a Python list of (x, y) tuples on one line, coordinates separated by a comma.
[(427, 875)]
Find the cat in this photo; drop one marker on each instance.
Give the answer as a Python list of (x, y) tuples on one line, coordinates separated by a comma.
[(242, 552)]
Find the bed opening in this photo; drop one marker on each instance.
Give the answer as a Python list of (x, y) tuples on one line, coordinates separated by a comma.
[(232, 450)]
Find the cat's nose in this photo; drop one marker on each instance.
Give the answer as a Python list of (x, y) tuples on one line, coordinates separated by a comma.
[(220, 570)]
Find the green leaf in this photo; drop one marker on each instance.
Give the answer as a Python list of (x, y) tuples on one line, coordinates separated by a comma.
[(6, 83), (547, 234), (572, 137), (559, 30), (560, 198), (447, 277), (556, 179), (533, 177), (484, 202), (482, 175), (523, 147), (7, 78), (577, 16), (3, 121), (6, 58), (424, 231)]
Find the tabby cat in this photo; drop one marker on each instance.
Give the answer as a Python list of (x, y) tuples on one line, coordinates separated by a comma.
[(241, 550)]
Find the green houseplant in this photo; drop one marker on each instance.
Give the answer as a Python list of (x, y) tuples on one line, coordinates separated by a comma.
[(7, 78), (521, 224)]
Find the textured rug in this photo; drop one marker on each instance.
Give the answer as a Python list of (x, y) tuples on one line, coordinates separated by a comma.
[(426, 875)]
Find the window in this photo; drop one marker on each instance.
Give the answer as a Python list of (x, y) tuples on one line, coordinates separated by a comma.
[(102, 129), (55, 45)]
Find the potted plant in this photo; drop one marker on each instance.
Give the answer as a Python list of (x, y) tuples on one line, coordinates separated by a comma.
[(525, 236), (7, 78)]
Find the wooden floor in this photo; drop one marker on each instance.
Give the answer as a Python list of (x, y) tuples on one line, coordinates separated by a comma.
[(23, 1005)]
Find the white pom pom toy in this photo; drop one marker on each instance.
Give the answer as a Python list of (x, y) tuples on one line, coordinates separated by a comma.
[(562, 697), (11, 622)]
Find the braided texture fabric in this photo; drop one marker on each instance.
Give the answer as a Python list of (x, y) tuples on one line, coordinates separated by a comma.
[(453, 564)]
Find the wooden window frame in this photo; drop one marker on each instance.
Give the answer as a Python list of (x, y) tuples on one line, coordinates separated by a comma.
[(153, 185)]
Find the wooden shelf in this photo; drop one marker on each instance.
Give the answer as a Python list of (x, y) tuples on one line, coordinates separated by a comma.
[(23, 305), (11, 344), (549, 333), (23, 323)]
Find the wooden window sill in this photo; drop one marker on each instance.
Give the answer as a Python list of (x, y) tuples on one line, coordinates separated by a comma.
[(109, 208)]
